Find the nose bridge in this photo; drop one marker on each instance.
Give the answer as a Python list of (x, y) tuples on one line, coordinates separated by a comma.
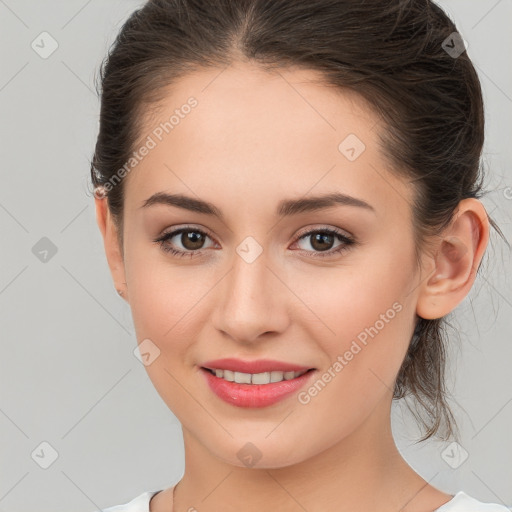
[(250, 302)]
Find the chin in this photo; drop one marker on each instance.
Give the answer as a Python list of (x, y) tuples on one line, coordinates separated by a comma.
[(260, 454)]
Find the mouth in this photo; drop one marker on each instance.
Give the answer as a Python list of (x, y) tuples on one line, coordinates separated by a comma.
[(263, 383)]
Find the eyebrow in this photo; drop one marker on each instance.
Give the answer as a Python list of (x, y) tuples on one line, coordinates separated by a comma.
[(285, 208)]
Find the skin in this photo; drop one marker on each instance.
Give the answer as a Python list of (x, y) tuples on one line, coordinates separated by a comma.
[(254, 139)]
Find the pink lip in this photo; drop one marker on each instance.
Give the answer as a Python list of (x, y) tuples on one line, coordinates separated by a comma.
[(254, 395), (257, 366)]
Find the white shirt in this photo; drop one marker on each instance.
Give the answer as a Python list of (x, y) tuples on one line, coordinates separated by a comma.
[(461, 502)]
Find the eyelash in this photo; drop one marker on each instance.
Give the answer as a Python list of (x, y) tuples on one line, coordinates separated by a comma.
[(347, 242)]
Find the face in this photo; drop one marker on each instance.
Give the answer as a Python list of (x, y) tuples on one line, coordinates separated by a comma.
[(329, 288)]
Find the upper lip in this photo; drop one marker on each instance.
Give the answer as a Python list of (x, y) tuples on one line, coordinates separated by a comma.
[(256, 366)]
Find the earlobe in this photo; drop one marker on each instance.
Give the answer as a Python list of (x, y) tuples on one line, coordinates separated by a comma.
[(457, 258), (113, 253)]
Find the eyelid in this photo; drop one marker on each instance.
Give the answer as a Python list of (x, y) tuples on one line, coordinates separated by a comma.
[(180, 227), (323, 227), (347, 242), (177, 230)]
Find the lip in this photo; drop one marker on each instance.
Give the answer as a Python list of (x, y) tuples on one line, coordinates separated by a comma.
[(257, 366), (254, 395)]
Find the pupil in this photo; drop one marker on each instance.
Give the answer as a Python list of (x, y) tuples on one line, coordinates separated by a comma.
[(322, 237), (192, 237)]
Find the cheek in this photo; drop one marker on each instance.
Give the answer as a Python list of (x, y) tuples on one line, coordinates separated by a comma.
[(367, 321), (165, 302), (361, 365), (165, 298)]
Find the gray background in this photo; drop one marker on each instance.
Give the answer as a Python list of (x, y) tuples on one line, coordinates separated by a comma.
[(68, 375)]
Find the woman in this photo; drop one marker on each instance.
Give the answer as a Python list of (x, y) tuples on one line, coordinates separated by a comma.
[(288, 196)]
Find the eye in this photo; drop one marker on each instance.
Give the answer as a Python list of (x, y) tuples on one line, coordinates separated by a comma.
[(322, 240), (191, 240)]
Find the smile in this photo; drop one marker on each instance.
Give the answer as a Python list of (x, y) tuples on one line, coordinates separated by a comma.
[(255, 390)]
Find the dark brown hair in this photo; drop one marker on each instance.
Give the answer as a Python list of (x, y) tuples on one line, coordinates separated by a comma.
[(392, 53)]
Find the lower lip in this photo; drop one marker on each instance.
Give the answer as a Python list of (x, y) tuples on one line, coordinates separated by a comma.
[(254, 395)]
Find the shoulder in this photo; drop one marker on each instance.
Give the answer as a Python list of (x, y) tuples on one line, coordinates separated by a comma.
[(462, 502), (138, 504)]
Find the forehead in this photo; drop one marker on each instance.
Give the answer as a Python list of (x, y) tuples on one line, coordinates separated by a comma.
[(265, 133), (243, 98)]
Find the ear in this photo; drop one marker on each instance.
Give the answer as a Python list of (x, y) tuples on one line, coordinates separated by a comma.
[(455, 262), (113, 250)]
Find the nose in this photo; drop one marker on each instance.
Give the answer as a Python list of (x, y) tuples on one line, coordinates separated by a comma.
[(252, 300)]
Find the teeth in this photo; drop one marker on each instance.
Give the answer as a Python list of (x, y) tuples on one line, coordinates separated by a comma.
[(276, 376), (256, 378), (243, 378), (228, 375), (260, 378)]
